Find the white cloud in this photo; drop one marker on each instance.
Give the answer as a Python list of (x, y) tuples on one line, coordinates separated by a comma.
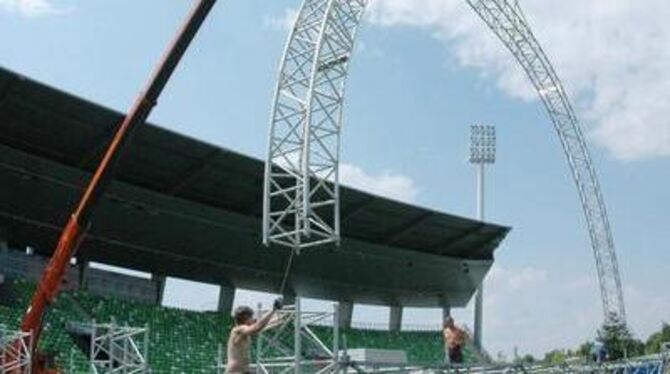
[(501, 282), (30, 8), (612, 56), (648, 307), (526, 277), (555, 309), (532, 309), (284, 22), (388, 184)]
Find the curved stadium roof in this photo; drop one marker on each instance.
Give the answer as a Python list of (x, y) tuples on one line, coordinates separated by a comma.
[(184, 208)]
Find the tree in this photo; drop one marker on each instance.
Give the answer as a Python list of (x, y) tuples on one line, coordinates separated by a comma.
[(619, 341), (654, 341), (528, 359), (554, 357), (585, 350)]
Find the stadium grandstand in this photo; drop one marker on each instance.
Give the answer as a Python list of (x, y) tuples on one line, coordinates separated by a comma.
[(168, 206), (182, 208)]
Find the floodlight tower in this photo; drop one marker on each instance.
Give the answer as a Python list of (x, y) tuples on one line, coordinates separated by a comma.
[(482, 152)]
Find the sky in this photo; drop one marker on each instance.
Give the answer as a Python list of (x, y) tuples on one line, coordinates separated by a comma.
[(423, 71)]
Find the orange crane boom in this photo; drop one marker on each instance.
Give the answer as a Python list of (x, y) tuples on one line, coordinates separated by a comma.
[(74, 231)]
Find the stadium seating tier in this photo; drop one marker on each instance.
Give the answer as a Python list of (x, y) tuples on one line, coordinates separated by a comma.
[(180, 341)]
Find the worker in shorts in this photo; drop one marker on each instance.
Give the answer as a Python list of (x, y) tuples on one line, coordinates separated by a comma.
[(239, 341), (454, 340)]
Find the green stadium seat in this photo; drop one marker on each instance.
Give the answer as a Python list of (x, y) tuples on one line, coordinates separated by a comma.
[(421, 346), (54, 337), (183, 341)]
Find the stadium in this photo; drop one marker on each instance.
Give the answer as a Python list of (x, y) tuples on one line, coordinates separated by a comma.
[(157, 202), (441, 258)]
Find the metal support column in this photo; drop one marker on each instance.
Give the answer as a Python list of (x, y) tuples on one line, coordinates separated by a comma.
[(336, 338), (297, 346), (446, 312), (83, 268), (479, 298), (395, 318), (482, 152), (159, 283), (346, 313), (226, 299)]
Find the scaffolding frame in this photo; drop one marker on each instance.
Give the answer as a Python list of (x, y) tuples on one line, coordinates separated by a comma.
[(15, 351), (116, 349), (290, 345)]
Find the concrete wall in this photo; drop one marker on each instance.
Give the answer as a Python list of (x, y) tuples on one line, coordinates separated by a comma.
[(106, 283), (17, 264)]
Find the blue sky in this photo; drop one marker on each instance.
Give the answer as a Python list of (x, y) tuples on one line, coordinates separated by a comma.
[(423, 72)]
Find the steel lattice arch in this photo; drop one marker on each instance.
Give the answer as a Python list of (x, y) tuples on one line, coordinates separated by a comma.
[(301, 197), (301, 200)]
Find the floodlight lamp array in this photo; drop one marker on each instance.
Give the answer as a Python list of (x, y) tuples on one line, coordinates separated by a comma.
[(482, 144)]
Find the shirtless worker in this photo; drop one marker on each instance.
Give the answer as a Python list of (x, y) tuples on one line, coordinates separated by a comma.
[(239, 341), (454, 340)]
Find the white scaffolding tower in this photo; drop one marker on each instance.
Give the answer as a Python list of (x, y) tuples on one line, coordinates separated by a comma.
[(15, 351), (118, 349), (290, 345)]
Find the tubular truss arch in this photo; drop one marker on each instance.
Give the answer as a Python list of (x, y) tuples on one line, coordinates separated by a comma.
[(301, 200), (301, 192), (508, 22)]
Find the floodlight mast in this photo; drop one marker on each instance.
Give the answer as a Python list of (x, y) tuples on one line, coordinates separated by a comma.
[(75, 229), (482, 152)]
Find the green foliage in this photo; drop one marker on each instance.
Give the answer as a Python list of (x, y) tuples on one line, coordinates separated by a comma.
[(527, 359), (619, 341), (653, 344), (585, 349), (555, 357)]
